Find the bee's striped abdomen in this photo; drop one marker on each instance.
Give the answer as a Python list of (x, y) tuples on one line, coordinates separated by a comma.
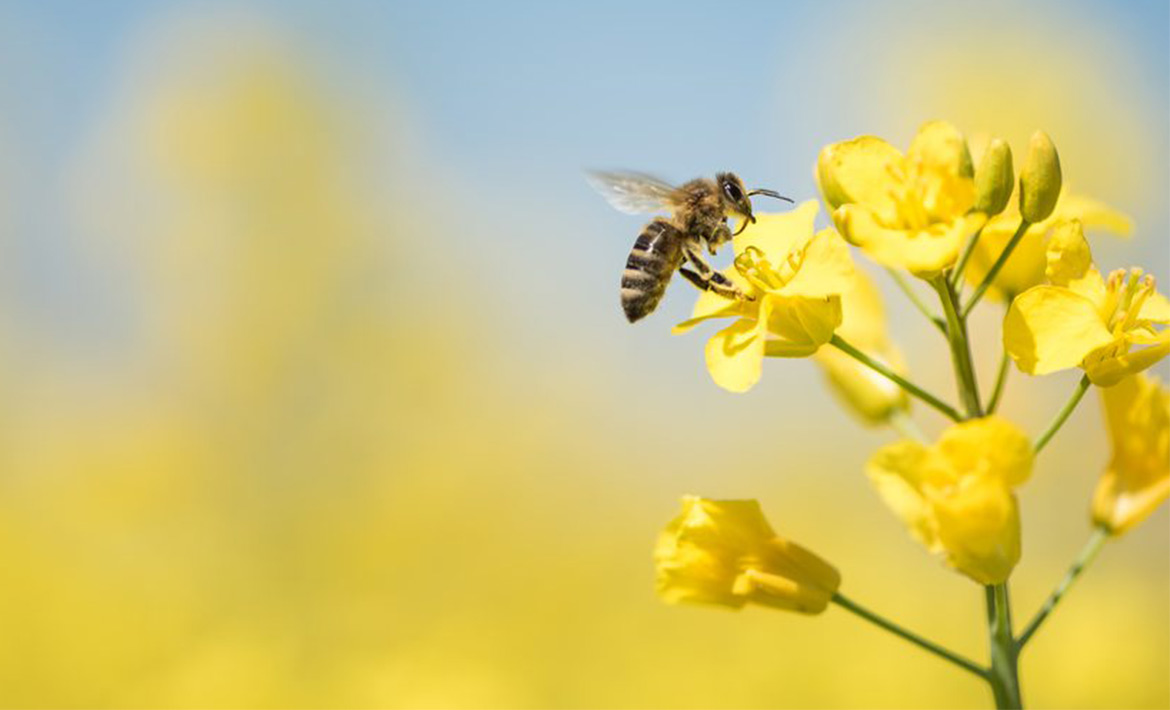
[(655, 257)]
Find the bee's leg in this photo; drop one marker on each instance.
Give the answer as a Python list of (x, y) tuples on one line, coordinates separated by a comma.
[(707, 278), (719, 235)]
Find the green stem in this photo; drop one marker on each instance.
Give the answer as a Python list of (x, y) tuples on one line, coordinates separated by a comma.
[(918, 302), (995, 268), (946, 409), (1088, 554), (1000, 379), (910, 636), (960, 348), (1062, 415), (901, 421), (1004, 674), (957, 273)]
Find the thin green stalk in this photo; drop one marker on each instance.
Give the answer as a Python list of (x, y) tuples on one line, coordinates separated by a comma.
[(960, 348), (918, 302), (901, 421), (1004, 674), (995, 268), (1062, 415), (946, 409), (1000, 379), (910, 636), (1088, 554), (957, 273)]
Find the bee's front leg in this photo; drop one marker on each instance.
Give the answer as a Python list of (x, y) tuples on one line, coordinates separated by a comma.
[(707, 278), (719, 235)]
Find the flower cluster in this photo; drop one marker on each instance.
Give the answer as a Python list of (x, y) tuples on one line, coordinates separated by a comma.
[(931, 214)]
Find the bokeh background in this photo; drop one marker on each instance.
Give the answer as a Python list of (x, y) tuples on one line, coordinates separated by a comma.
[(316, 391)]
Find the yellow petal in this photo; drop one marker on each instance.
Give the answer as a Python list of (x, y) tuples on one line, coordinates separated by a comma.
[(979, 527), (1048, 328), (991, 447), (1137, 480), (1106, 368), (724, 552), (901, 472), (726, 309), (697, 556), (778, 234), (711, 305), (793, 578), (804, 321), (858, 171), (941, 147), (786, 348), (924, 252), (1023, 270), (1156, 309), (863, 315), (1092, 213), (825, 268), (1068, 255), (735, 355)]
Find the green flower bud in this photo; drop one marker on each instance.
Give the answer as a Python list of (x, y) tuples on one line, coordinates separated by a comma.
[(1039, 179), (966, 165), (995, 179)]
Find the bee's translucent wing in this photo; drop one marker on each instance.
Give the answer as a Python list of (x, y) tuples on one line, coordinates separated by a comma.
[(630, 192)]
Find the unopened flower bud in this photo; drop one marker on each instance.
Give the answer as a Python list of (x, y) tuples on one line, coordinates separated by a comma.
[(994, 179), (1039, 179)]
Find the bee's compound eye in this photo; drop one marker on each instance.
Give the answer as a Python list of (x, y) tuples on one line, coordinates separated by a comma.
[(732, 191)]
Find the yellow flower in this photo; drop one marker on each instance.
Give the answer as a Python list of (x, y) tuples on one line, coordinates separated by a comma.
[(1137, 481), (724, 552), (906, 211), (873, 397), (1025, 268), (794, 279), (956, 496), (1080, 320)]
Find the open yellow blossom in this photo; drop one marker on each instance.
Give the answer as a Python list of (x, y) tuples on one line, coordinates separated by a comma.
[(724, 552), (956, 496), (1025, 268), (907, 211), (1137, 480), (794, 279), (871, 396), (1079, 319)]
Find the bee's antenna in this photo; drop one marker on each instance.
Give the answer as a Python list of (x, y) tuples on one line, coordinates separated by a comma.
[(771, 193)]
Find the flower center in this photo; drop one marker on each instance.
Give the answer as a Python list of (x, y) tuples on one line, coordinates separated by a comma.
[(906, 192), (755, 267), (1125, 294)]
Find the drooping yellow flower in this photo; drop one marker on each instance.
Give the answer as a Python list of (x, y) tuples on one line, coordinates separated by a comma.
[(1025, 267), (956, 496), (724, 552), (906, 211), (1137, 480), (794, 279), (1079, 319), (869, 395)]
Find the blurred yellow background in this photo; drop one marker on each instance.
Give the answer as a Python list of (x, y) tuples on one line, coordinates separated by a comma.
[(317, 391)]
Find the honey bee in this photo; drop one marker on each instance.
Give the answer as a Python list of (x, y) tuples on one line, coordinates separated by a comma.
[(699, 213)]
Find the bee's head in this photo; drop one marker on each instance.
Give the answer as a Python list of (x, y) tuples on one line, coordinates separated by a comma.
[(737, 200)]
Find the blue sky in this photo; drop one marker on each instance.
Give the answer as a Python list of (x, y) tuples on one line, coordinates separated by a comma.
[(514, 99)]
